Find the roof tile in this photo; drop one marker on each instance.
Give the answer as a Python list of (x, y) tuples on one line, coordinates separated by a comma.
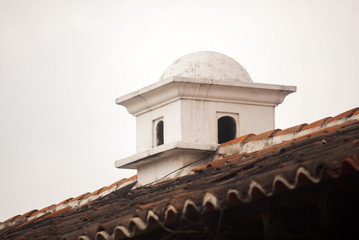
[(220, 163), (249, 176), (345, 114), (318, 123), (294, 129), (128, 179), (42, 210), (243, 139), (268, 134), (17, 217), (98, 191), (115, 184), (327, 130), (82, 196), (51, 207), (57, 213), (65, 201)]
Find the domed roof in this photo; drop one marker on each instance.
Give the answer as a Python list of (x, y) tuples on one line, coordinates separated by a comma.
[(207, 65)]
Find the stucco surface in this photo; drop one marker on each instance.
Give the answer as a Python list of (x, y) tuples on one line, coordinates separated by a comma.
[(207, 65)]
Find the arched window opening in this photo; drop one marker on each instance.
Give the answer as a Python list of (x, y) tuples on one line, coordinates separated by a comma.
[(159, 133), (226, 129)]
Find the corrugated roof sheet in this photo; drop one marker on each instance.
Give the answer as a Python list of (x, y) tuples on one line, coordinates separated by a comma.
[(245, 170)]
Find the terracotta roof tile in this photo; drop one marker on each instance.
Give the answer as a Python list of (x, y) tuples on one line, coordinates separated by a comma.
[(98, 191), (348, 165), (42, 210), (222, 162), (82, 196), (11, 219), (19, 217), (305, 160), (128, 179), (268, 134), (115, 184), (243, 139), (57, 213), (53, 206), (50, 211), (346, 114), (294, 129), (327, 130), (318, 123), (65, 201), (28, 214)]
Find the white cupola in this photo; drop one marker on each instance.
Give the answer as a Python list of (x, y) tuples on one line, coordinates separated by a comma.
[(202, 100)]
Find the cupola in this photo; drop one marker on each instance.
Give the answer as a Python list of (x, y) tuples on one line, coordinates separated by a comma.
[(202, 100)]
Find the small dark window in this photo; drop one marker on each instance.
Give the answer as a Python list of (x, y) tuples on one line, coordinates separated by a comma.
[(226, 129), (159, 133)]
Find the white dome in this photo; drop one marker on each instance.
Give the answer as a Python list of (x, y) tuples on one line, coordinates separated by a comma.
[(207, 65)]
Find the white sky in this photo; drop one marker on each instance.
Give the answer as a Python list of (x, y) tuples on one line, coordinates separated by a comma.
[(63, 63)]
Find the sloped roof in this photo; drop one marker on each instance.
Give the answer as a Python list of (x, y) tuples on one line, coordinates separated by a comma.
[(244, 171)]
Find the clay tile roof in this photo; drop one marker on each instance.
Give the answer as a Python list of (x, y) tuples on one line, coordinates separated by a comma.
[(114, 184), (124, 181), (346, 114), (65, 201), (318, 123), (247, 175), (96, 192), (58, 209), (82, 196), (43, 210), (294, 129), (243, 139), (28, 214), (268, 134)]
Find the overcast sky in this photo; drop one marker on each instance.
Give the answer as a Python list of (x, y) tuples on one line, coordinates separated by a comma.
[(63, 63)]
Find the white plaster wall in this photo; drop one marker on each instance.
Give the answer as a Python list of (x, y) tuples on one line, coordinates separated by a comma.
[(256, 119), (171, 114), (196, 121), (196, 124), (199, 119), (170, 166)]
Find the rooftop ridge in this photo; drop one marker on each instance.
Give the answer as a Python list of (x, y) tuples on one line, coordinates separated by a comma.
[(67, 204), (245, 153), (251, 143)]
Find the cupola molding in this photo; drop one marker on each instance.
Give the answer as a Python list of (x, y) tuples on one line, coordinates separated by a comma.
[(175, 88), (201, 101)]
